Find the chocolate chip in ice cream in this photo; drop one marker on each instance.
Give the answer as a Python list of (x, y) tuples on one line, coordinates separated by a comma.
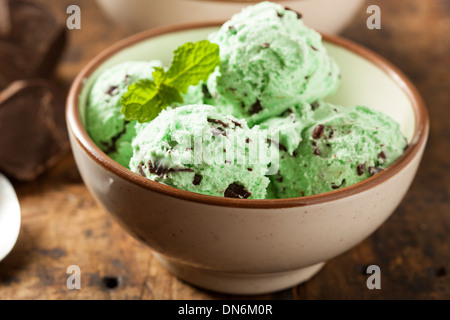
[(236, 190)]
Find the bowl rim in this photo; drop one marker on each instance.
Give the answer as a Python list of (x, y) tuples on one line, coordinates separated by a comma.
[(81, 136)]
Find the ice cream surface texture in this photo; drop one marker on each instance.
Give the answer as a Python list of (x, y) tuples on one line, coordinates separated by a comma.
[(106, 125), (342, 146), (196, 148), (269, 60)]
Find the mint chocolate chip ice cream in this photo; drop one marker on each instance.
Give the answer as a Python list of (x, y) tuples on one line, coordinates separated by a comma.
[(106, 125), (269, 59), (196, 148), (341, 146)]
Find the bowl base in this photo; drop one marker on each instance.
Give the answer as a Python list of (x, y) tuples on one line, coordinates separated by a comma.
[(239, 283)]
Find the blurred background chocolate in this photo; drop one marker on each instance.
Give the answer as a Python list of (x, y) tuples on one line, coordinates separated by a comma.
[(32, 125), (32, 131), (36, 31)]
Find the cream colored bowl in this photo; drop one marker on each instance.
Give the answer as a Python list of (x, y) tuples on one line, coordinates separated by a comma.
[(329, 16), (251, 246)]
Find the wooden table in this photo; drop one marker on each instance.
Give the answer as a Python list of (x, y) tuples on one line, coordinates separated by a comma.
[(62, 225)]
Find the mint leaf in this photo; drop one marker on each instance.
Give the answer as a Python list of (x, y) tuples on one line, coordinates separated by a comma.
[(192, 63), (144, 100)]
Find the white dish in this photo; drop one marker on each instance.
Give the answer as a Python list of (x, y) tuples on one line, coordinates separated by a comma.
[(9, 217)]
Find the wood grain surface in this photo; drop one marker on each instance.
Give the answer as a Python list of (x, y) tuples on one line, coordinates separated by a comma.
[(62, 224)]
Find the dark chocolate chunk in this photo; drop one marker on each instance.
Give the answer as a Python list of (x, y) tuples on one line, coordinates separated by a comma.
[(265, 45), (295, 153), (157, 169), (299, 15), (280, 178), (112, 90), (315, 105), (374, 170), (382, 155), (331, 134), (181, 170), (141, 169), (197, 180), (38, 32), (280, 15), (360, 169), (278, 144), (316, 150), (206, 92), (33, 134), (236, 190), (314, 48), (112, 146), (217, 121), (256, 107), (126, 79), (218, 131), (13, 64), (237, 124), (248, 140), (318, 131), (334, 186), (249, 169)]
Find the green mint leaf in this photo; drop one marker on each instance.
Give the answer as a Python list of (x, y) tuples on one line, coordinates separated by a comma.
[(192, 63), (144, 100)]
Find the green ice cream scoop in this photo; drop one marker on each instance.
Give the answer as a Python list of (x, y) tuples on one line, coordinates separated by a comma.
[(270, 59), (106, 125), (196, 148), (342, 147)]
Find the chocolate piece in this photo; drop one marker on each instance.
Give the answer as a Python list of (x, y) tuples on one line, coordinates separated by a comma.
[(112, 147), (299, 15), (279, 145), (206, 92), (374, 170), (295, 153), (13, 64), (112, 90), (250, 169), (141, 170), (314, 48), (265, 45), (160, 170), (237, 124), (382, 155), (39, 33), (318, 131), (315, 105), (256, 107), (219, 131), (217, 121), (33, 134), (334, 186), (197, 179), (248, 140), (235, 190), (331, 134), (316, 149), (360, 169)]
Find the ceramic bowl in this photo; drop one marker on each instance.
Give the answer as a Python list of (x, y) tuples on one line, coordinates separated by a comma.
[(243, 246), (329, 16)]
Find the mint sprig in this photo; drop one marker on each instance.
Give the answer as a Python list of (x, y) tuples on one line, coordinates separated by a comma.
[(192, 63)]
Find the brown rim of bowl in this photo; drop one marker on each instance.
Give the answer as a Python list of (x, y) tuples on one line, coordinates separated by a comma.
[(82, 138)]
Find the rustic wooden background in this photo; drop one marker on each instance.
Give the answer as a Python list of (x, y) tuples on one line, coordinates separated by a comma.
[(62, 225)]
